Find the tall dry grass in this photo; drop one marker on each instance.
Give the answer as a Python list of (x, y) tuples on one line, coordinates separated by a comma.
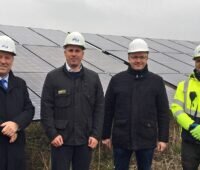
[(38, 152)]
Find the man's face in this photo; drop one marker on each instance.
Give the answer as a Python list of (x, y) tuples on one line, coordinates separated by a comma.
[(74, 55), (197, 64), (6, 61), (138, 60)]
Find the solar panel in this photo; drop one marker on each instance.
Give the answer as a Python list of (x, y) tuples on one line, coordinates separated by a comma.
[(36, 102), (55, 56), (1, 33), (105, 79), (171, 63), (158, 68), (174, 79), (91, 67), (56, 36), (25, 61), (185, 43), (24, 35), (105, 62), (170, 94), (102, 43), (195, 42), (120, 54), (171, 44), (118, 39), (34, 81), (182, 57), (153, 66), (159, 47)]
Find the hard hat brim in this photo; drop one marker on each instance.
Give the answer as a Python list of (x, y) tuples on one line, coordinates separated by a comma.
[(195, 58), (138, 51), (65, 46), (14, 54)]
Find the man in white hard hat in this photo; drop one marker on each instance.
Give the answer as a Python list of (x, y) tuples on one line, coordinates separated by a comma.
[(136, 111), (186, 110), (72, 109), (16, 110)]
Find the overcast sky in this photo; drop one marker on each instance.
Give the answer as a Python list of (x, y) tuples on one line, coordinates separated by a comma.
[(168, 19)]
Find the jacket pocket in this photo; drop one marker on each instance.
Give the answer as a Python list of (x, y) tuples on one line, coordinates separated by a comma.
[(120, 127), (61, 124), (63, 100), (120, 134), (148, 130), (149, 124)]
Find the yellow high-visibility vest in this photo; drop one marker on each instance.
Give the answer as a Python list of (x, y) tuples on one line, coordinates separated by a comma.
[(186, 104)]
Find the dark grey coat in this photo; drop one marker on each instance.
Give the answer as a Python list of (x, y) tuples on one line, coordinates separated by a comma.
[(72, 106)]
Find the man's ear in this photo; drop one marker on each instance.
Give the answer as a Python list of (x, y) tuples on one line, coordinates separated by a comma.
[(83, 53), (147, 55)]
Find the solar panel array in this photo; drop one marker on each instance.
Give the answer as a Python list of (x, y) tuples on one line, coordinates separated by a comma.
[(40, 51)]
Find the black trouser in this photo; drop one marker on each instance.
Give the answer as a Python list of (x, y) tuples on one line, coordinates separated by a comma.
[(78, 156), (12, 156), (190, 154), (122, 158)]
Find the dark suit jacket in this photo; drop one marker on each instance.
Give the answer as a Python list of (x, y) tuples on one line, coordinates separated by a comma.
[(16, 106)]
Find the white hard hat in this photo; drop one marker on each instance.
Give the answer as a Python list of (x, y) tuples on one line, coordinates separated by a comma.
[(7, 44), (138, 45), (196, 52), (75, 38)]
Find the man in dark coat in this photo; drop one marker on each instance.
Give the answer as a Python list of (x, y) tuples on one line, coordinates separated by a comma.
[(136, 111), (16, 110), (72, 109)]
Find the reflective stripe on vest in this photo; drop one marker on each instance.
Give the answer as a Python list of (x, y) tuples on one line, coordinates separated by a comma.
[(185, 93), (178, 102), (188, 111)]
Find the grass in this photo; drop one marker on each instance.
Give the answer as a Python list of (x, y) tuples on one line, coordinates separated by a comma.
[(38, 152)]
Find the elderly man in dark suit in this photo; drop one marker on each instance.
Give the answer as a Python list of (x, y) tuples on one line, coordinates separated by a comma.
[(16, 110)]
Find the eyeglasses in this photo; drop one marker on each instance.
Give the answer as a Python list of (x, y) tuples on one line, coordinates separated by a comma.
[(138, 57)]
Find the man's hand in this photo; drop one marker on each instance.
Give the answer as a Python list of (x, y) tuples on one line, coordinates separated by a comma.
[(107, 143), (161, 146), (92, 142), (9, 128), (13, 138), (57, 141), (196, 132)]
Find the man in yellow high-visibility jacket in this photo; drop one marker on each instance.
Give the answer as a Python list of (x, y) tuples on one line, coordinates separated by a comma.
[(186, 110)]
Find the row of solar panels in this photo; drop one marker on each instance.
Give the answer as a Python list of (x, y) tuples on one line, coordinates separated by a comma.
[(40, 50)]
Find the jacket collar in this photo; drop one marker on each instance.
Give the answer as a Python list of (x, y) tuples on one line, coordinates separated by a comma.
[(12, 81), (195, 75), (69, 73), (69, 69)]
